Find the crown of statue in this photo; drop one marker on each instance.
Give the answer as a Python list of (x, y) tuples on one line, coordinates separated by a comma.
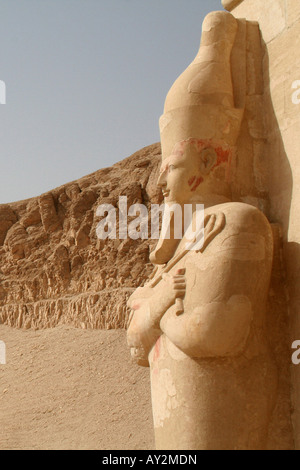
[(200, 104)]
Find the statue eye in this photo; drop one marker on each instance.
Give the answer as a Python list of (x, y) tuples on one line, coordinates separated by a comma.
[(171, 168)]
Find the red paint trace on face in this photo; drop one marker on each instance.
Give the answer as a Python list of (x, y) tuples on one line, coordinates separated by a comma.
[(191, 180), (223, 151), (198, 181), (223, 155), (135, 306)]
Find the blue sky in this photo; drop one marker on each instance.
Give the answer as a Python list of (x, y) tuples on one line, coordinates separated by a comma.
[(86, 82)]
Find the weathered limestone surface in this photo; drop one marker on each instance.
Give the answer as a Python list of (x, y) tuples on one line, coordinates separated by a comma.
[(292, 11), (279, 22), (270, 14), (53, 269)]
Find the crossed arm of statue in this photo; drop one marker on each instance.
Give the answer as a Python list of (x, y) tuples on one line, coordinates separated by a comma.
[(148, 307), (218, 288)]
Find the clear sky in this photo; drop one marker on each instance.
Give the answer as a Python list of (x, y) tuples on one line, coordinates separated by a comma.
[(86, 82)]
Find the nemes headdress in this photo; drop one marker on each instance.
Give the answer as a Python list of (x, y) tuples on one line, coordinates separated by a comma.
[(200, 104)]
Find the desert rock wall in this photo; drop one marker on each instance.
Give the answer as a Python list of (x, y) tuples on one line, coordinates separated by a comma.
[(53, 268)]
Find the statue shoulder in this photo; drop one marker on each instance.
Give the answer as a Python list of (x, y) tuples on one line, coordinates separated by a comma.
[(245, 233), (244, 218)]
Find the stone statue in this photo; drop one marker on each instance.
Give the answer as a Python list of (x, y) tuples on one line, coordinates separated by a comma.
[(199, 322)]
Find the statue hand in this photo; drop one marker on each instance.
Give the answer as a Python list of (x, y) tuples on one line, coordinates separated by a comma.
[(169, 292), (176, 283)]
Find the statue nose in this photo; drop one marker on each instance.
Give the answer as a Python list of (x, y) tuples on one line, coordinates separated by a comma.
[(161, 182)]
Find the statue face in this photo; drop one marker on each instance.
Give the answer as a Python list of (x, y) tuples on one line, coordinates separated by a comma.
[(183, 173), (175, 174)]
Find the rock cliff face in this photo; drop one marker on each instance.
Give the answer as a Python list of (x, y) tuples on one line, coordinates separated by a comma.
[(53, 268)]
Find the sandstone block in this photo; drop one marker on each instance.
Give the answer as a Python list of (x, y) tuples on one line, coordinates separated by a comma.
[(293, 11), (284, 73), (270, 15)]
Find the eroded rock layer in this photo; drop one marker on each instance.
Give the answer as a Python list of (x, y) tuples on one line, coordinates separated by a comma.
[(53, 268)]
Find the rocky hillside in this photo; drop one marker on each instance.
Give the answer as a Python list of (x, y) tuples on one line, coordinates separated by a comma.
[(53, 268)]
